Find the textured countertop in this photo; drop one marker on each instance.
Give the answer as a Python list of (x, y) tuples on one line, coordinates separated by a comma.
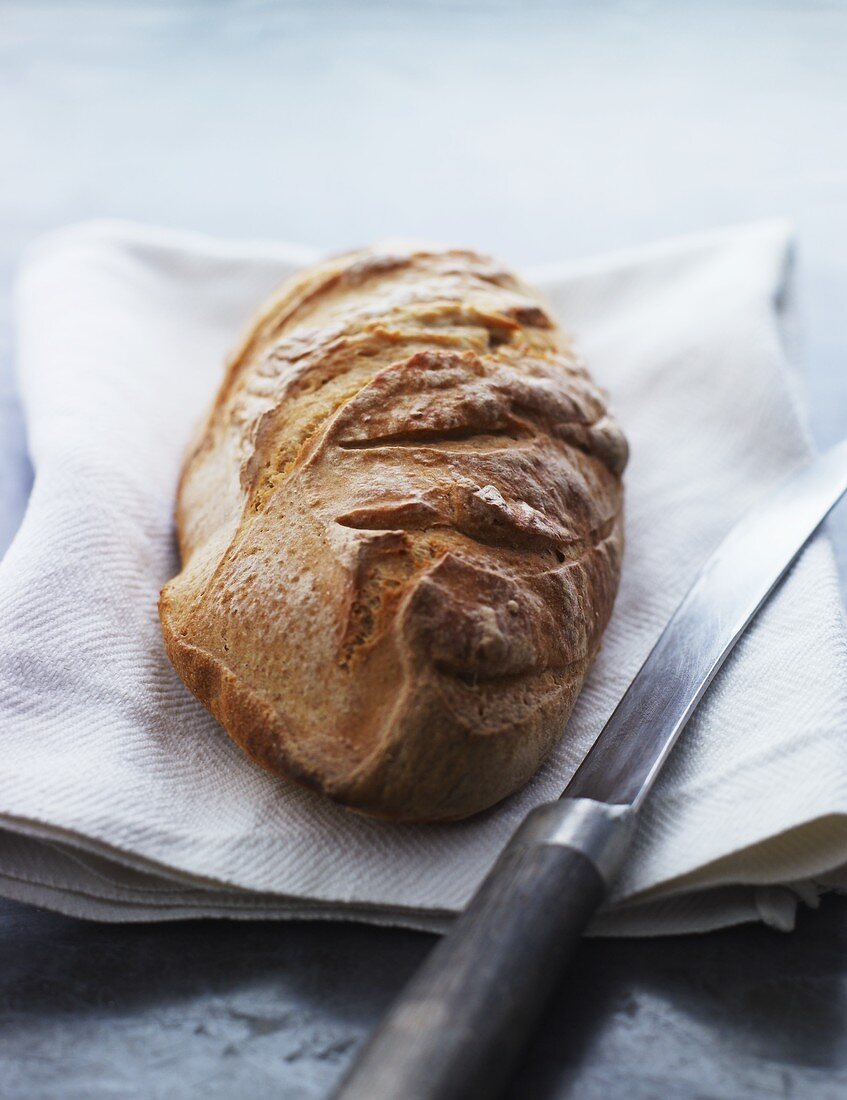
[(535, 130)]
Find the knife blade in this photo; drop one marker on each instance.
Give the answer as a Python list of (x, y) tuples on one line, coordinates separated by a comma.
[(737, 579), (458, 1028)]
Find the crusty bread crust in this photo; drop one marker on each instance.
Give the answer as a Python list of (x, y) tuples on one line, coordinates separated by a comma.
[(400, 529)]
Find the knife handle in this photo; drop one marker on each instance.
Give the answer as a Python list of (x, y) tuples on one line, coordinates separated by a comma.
[(459, 1026)]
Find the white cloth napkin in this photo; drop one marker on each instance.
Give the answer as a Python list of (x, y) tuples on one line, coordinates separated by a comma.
[(120, 798)]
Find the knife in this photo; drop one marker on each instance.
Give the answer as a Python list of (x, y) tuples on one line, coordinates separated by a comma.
[(458, 1028)]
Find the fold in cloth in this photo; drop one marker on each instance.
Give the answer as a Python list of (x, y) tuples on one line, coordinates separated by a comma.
[(122, 799)]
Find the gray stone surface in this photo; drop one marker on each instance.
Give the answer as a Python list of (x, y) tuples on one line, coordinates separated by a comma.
[(220, 1009), (536, 130)]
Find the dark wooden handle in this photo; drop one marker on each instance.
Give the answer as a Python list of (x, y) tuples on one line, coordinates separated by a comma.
[(458, 1027)]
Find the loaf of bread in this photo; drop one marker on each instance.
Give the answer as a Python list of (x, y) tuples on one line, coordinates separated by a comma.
[(400, 529)]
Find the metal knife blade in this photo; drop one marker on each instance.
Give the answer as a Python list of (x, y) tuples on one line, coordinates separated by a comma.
[(626, 758)]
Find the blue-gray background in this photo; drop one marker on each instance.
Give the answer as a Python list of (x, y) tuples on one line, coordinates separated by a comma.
[(533, 129)]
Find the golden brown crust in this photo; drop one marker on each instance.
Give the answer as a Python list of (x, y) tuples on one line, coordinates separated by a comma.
[(400, 530)]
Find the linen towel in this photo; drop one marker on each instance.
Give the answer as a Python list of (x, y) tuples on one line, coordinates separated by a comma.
[(121, 798)]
